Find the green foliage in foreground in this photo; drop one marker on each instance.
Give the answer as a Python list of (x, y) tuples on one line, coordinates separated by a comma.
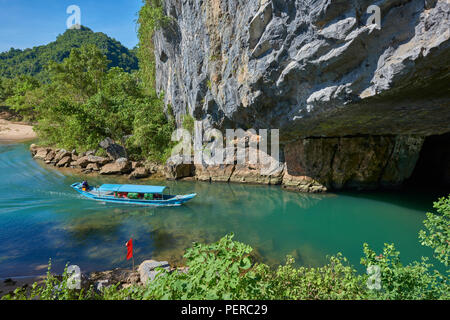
[(437, 235), (224, 270), (54, 288)]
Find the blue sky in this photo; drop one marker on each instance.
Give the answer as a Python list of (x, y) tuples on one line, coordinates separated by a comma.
[(29, 23)]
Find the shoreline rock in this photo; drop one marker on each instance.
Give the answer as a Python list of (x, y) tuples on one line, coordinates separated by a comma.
[(312, 165), (89, 163), (99, 279), (120, 166), (147, 270), (114, 150)]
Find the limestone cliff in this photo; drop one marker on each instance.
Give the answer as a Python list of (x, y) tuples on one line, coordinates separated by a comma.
[(353, 102)]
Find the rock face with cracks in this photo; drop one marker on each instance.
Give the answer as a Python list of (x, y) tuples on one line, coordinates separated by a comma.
[(353, 101)]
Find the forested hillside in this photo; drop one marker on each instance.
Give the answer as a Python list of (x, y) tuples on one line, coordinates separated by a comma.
[(80, 90), (17, 62)]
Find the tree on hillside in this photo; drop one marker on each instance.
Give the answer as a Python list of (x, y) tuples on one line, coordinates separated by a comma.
[(33, 61), (83, 71), (22, 95), (2, 91), (85, 103), (151, 18)]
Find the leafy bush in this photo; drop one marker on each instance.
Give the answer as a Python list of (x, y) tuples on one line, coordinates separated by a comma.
[(85, 102), (216, 271), (438, 234), (152, 131), (412, 282), (86, 96), (53, 288), (336, 280), (21, 95)]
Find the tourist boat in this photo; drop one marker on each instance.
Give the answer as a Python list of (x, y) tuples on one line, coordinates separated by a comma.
[(133, 194)]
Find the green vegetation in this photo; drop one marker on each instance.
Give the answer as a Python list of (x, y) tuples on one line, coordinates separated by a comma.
[(437, 235), (214, 58), (151, 18), (158, 124), (79, 90), (21, 94), (32, 62), (85, 102), (225, 270), (189, 123)]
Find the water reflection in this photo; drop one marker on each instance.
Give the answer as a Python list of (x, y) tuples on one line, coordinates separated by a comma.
[(41, 217), (165, 233)]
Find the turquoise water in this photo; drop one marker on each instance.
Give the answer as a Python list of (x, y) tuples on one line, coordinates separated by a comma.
[(41, 217)]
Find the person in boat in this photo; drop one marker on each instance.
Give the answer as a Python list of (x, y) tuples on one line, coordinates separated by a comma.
[(85, 186)]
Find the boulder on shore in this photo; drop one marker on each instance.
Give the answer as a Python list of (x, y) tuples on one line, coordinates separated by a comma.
[(121, 166), (98, 160), (177, 168), (302, 184), (114, 150), (60, 154), (147, 270), (75, 156), (218, 173), (83, 162), (139, 173), (41, 153), (33, 149), (153, 168), (136, 164), (64, 162), (93, 167), (50, 156), (123, 277)]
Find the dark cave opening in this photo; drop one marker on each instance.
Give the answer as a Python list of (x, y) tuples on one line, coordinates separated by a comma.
[(432, 170)]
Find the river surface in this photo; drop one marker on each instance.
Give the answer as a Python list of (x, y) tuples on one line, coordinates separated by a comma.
[(41, 217)]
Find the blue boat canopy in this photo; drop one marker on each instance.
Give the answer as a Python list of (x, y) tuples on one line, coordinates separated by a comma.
[(131, 188)]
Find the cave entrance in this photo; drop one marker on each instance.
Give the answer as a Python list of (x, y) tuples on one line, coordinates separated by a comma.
[(433, 167)]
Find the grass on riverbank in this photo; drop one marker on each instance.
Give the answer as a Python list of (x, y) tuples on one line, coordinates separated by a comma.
[(225, 270)]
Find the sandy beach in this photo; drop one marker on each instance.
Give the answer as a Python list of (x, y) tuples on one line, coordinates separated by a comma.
[(15, 132)]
